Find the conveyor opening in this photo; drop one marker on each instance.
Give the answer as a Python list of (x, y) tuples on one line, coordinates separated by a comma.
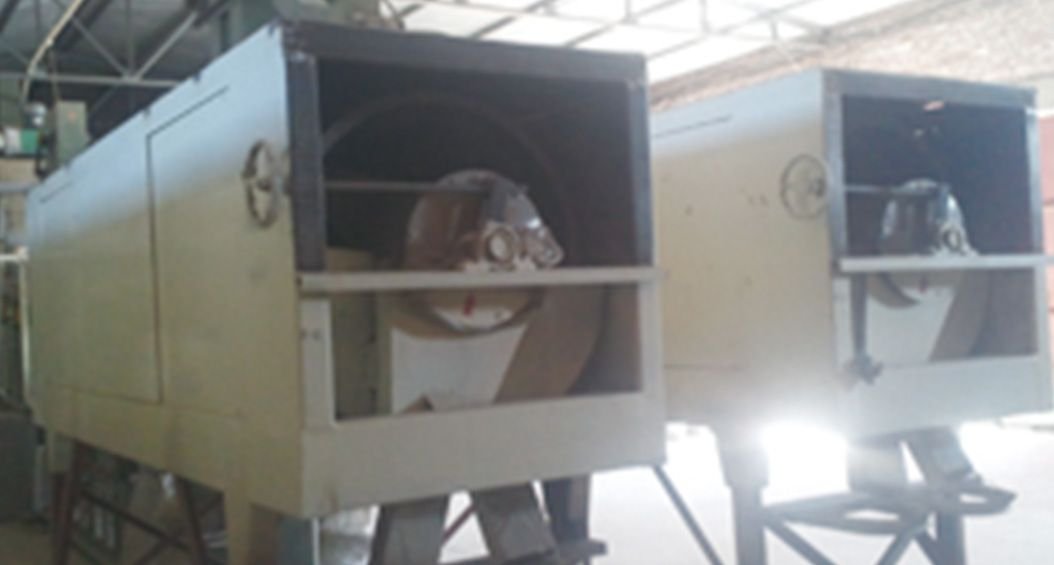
[(413, 154)]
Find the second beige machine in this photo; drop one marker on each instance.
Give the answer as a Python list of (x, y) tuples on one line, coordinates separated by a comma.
[(862, 251)]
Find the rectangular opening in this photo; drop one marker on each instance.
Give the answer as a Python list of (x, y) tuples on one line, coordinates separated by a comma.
[(567, 142), (932, 179), (446, 171), (980, 153)]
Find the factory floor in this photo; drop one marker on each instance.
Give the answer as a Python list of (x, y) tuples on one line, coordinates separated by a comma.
[(634, 517)]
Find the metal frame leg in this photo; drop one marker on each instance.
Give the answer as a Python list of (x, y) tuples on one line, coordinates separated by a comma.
[(69, 497), (941, 460), (745, 468), (410, 533), (513, 527), (567, 502), (951, 540), (748, 515), (198, 553), (686, 516)]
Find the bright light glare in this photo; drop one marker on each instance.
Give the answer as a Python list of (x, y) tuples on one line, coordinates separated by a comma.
[(989, 444), (804, 458)]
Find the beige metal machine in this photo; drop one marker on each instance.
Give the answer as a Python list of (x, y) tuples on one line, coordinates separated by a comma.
[(858, 250), (865, 250), (341, 268)]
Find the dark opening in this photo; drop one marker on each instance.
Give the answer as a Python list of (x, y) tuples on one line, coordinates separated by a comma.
[(980, 152), (567, 141)]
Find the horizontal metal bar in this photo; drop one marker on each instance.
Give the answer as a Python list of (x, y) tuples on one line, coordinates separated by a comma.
[(919, 264), (12, 258), (557, 17), (395, 281), (100, 80), (889, 191), (398, 186), (7, 187)]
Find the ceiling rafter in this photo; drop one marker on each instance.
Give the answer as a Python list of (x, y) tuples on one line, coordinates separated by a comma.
[(556, 15), (80, 30), (87, 15), (784, 17), (171, 31), (631, 18), (729, 30), (6, 11), (505, 21)]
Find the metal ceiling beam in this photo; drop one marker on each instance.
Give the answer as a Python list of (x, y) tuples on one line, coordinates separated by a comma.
[(84, 32), (165, 39), (94, 80), (730, 30), (552, 16), (209, 10), (6, 47), (6, 12), (48, 41), (168, 34), (89, 13), (780, 17), (630, 20), (488, 29)]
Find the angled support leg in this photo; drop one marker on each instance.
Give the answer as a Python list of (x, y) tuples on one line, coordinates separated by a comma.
[(513, 526), (410, 533), (68, 500), (687, 517), (198, 553)]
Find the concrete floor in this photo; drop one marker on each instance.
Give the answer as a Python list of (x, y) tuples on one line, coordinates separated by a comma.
[(632, 514)]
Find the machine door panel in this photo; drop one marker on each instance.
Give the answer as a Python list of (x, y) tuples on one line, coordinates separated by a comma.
[(93, 293), (225, 281)]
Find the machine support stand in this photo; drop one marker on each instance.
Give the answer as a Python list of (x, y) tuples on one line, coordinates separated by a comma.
[(511, 520), (567, 501), (514, 529), (951, 540), (198, 552), (686, 516), (879, 485), (748, 517), (73, 492), (410, 533), (746, 473), (63, 527)]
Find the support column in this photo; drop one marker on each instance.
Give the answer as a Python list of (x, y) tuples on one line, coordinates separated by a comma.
[(745, 468), (513, 526), (951, 539), (567, 501)]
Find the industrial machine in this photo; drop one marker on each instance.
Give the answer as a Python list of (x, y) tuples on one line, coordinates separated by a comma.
[(862, 251), (342, 268)]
